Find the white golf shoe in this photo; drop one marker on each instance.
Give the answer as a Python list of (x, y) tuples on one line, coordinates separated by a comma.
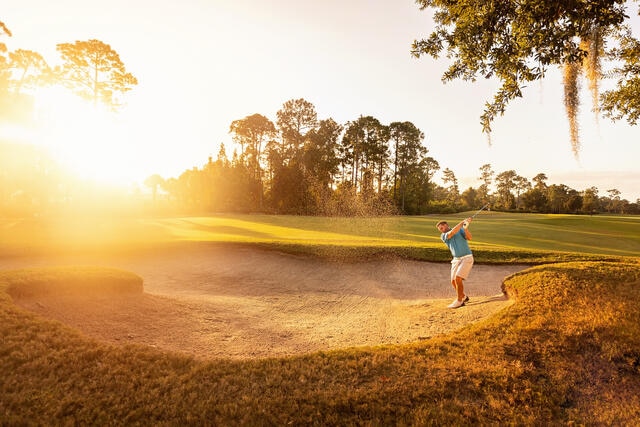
[(456, 304)]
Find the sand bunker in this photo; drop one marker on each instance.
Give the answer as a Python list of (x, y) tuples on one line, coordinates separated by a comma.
[(210, 301)]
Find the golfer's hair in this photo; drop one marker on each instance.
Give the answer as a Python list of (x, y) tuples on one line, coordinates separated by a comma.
[(440, 223)]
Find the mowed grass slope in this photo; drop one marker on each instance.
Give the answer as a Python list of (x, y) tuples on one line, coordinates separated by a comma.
[(567, 351), (498, 237)]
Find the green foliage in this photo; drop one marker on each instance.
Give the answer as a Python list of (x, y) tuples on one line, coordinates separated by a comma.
[(295, 119), (516, 42), (625, 99)]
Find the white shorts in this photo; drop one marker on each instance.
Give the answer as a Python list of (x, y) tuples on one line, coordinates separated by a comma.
[(460, 267)]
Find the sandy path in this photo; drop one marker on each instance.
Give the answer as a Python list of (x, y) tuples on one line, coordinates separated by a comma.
[(208, 301)]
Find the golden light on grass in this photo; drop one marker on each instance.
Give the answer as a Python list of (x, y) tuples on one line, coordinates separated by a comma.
[(255, 229), (78, 280)]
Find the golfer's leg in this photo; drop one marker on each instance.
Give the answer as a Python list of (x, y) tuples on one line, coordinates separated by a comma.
[(460, 288), (455, 264)]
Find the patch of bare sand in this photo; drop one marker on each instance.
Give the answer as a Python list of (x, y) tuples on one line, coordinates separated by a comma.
[(213, 302)]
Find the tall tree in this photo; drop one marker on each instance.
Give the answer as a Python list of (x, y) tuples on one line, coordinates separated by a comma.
[(294, 120), (486, 176), (364, 151), (408, 151), (376, 152), (320, 164), (535, 199), (590, 200), (540, 181), (94, 71), (521, 184), (470, 198), (505, 184), (154, 182), (558, 196), (253, 132), (418, 187), (451, 183), (320, 151), (289, 186), (517, 41), (30, 68), (614, 203), (351, 152), (574, 201), (428, 168)]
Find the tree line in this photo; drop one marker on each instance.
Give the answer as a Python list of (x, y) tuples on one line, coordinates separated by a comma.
[(298, 164), (303, 165)]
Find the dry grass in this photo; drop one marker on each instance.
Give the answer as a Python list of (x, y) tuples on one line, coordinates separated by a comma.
[(72, 280), (567, 351)]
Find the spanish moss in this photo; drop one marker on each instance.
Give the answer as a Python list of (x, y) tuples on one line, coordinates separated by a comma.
[(572, 103), (594, 46)]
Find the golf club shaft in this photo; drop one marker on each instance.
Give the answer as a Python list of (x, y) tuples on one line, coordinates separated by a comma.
[(464, 221), (481, 209)]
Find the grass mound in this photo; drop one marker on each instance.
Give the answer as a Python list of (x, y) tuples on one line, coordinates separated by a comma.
[(573, 338), (567, 351), (35, 282)]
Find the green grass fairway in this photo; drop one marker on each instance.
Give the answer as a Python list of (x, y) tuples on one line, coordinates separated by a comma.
[(498, 237)]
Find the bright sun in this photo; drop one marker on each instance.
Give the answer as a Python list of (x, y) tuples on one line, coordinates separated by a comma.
[(87, 140)]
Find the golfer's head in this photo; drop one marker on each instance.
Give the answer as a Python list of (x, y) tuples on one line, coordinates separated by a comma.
[(442, 226)]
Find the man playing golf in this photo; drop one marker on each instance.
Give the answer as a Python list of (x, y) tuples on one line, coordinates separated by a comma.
[(457, 239)]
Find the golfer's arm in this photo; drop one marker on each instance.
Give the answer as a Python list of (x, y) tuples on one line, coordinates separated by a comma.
[(454, 230), (467, 233)]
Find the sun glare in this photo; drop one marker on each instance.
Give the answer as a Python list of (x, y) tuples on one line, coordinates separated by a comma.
[(87, 140)]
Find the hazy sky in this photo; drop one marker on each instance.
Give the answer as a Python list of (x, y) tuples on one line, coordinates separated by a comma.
[(203, 64)]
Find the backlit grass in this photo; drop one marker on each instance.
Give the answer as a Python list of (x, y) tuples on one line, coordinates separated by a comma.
[(72, 281), (498, 237), (567, 351)]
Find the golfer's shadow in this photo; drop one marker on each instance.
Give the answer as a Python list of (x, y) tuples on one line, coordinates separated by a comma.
[(499, 297)]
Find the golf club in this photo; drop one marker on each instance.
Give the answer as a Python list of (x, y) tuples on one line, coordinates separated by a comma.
[(474, 215)]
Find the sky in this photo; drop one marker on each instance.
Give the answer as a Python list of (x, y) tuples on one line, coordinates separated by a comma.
[(201, 64)]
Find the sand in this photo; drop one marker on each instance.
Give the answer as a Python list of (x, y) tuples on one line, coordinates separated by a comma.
[(209, 301)]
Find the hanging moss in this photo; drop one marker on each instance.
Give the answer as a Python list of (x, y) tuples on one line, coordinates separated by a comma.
[(594, 46), (572, 103)]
